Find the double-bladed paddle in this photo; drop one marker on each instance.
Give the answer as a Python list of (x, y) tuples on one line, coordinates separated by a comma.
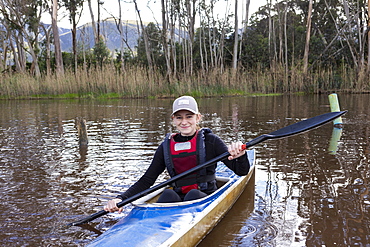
[(292, 129)]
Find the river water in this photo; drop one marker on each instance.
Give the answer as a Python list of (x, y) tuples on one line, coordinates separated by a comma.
[(310, 189)]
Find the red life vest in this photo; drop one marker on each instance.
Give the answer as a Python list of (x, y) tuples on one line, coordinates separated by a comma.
[(182, 156)]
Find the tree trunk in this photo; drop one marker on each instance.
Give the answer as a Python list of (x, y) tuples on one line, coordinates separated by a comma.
[(286, 47), (191, 11), (74, 41), (270, 31), (245, 28), (349, 38), (368, 36), (57, 49), (6, 47), (164, 41), (93, 24), (47, 45), (120, 30), (173, 56), (98, 35), (35, 66), (201, 43), (145, 37), (20, 64), (308, 36), (280, 28), (236, 37)]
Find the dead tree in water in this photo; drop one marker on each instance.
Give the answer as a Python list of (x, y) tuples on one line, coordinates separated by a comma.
[(82, 132)]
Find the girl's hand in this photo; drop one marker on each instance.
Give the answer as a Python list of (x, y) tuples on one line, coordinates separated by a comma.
[(111, 206), (236, 150)]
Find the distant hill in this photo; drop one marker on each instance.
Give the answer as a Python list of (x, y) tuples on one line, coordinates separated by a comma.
[(108, 29)]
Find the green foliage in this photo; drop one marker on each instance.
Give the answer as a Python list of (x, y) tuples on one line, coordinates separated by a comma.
[(255, 51), (73, 6), (127, 58), (68, 59), (101, 52), (155, 46)]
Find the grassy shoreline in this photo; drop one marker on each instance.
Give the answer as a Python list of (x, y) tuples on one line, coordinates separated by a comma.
[(137, 82), (116, 96)]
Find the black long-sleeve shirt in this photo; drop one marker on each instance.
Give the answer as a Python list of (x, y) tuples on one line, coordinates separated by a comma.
[(214, 147)]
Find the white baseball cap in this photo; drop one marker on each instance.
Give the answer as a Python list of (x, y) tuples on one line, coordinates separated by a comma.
[(185, 103)]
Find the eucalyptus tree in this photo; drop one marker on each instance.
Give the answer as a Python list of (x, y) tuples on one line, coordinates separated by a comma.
[(368, 37), (6, 45), (212, 37), (270, 32), (245, 26), (165, 5), (182, 16), (203, 49), (4, 48), (122, 39), (236, 38), (355, 13), (21, 18), (178, 25), (338, 34), (47, 49), (189, 13), (59, 67), (256, 51), (74, 8), (308, 36), (145, 40), (152, 43), (93, 23)]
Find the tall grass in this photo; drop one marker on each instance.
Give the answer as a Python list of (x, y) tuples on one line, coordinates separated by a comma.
[(139, 82)]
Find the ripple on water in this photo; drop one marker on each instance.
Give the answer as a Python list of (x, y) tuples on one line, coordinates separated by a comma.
[(257, 231)]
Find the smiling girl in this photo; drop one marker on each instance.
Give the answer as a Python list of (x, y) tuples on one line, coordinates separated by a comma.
[(181, 151)]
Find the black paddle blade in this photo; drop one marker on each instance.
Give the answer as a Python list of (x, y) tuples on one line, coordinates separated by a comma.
[(298, 127), (88, 219), (307, 124)]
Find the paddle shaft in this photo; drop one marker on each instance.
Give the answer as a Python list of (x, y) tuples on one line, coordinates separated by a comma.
[(292, 129)]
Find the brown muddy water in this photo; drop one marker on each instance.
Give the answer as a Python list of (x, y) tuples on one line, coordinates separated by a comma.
[(310, 189)]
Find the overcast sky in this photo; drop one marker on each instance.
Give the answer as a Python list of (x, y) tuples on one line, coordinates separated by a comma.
[(110, 7)]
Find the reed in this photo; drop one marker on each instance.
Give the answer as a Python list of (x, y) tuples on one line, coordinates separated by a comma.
[(137, 81)]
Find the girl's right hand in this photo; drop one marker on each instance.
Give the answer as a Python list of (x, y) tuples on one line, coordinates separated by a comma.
[(236, 150), (111, 206)]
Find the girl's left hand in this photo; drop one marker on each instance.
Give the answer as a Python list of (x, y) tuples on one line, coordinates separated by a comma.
[(236, 150)]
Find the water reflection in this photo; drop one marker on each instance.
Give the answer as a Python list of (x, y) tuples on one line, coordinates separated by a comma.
[(303, 194)]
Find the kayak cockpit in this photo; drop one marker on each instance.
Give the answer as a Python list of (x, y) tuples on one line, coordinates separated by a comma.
[(152, 198)]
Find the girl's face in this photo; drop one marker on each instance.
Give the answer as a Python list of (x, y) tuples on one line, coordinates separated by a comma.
[(186, 122)]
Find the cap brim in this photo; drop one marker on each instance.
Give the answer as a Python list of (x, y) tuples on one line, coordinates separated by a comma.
[(184, 109)]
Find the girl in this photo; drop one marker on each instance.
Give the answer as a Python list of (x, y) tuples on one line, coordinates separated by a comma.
[(182, 151)]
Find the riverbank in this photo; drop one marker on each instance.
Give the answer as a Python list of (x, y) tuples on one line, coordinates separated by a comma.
[(137, 82)]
